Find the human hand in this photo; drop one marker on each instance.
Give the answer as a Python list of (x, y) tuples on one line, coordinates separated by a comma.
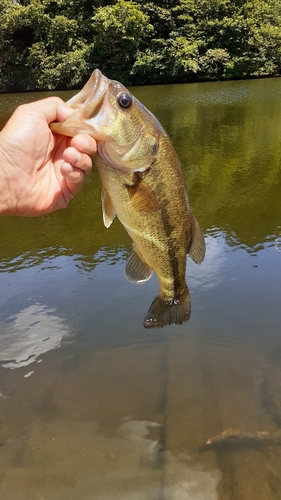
[(40, 172)]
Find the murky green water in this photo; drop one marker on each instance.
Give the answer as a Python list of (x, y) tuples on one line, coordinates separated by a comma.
[(95, 407)]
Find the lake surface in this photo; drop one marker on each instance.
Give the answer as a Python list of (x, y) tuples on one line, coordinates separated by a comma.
[(95, 407)]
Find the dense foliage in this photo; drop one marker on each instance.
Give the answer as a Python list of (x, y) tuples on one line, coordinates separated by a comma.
[(55, 44)]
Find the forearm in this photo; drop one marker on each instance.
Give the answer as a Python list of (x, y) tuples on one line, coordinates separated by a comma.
[(5, 191)]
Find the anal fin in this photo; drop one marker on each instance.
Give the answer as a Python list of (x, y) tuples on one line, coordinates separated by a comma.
[(197, 247), (136, 270)]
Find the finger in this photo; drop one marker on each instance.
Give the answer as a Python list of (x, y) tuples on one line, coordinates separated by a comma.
[(73, 176), (85, 144), (52, 109), (77, 159)]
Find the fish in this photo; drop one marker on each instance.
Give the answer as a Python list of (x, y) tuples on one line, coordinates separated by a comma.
[(235, 439), (143, 185)]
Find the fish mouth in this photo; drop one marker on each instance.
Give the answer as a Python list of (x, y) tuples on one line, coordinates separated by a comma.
[(92, 91), (86, 105)]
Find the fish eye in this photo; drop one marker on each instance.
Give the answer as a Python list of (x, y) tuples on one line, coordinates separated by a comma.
[(124, 100)]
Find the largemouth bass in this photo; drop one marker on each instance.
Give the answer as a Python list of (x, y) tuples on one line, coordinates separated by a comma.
[(143, 186)]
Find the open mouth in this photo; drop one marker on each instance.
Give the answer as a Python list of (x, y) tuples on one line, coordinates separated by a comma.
[(92, 91), (87, 104)]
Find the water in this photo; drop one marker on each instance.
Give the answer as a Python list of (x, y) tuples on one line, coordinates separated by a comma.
[(95, 407)]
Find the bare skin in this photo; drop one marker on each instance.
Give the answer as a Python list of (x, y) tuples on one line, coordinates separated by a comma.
[(40, 172)]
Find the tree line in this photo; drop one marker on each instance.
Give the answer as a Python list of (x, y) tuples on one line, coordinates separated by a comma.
[(56, 44)]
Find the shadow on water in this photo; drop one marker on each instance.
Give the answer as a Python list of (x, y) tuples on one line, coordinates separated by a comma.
[(94, 406)]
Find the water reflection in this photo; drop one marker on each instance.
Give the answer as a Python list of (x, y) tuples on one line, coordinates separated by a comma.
[(27, 335), (228, 139), (54, 258)]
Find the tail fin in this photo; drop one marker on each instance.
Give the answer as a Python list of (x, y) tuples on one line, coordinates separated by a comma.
[(168, 312)]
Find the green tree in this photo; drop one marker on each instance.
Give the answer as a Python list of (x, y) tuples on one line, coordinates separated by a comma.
[(39, 49), (172, 60), (20, 27), (237, 38), (55, 44), (118, 31)]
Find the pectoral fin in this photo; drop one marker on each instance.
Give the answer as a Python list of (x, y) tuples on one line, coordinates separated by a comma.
[(197, 247), (107, 208), (136, 270)]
